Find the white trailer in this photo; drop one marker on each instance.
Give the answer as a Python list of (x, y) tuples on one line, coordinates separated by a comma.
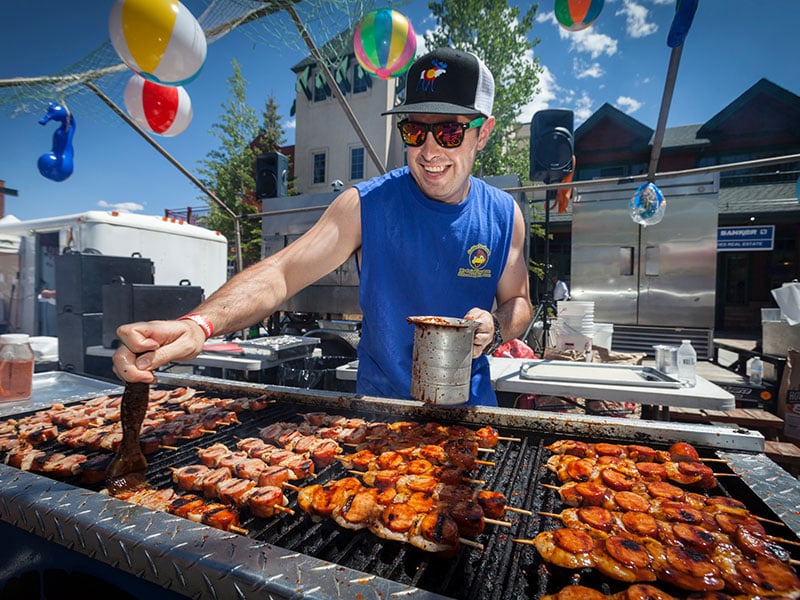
[(179, 252)]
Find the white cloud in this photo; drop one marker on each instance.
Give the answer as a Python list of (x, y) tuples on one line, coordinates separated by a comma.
[(627, 104), (587, 40), (636, 19), (583, 108), (291, 124), (582, 70), (124, 207), (548, 90)]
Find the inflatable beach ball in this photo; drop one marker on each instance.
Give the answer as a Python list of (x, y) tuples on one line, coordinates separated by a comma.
[(165, 110), (159, 39), (575, 15), (385, 43)]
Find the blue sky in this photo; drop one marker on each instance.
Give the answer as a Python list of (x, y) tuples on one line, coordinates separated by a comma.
[(621, 60)]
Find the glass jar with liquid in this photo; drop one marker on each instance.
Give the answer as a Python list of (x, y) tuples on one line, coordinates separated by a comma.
[(16, 367)]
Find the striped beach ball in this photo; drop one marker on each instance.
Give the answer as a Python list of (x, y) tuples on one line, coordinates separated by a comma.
[(385, 43), (577, 14), (162, 109), (159, 39)]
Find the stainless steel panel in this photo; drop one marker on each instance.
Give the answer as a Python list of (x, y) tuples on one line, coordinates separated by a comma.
[(605, 260), (663, 275), (59, 386), (288, 218), (681, 290)]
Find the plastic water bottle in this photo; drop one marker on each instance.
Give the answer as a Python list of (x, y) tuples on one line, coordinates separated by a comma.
[(756, 371), (687, 364)]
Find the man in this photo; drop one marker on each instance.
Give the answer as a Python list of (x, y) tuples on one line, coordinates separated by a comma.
[(560, 288), (429, 239)]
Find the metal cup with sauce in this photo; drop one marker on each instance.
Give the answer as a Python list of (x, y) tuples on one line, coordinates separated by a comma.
[(442, 360)]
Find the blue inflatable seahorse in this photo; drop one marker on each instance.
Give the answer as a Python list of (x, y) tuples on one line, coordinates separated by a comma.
[(58, 163)]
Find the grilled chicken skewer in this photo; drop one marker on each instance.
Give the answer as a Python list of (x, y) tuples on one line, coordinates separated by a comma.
[(353, 506), (127, 470)]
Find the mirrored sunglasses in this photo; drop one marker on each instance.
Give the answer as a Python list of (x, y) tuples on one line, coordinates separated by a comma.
[(447, 135)]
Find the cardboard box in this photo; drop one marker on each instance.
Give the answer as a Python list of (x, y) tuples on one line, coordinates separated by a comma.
[(789, 396)]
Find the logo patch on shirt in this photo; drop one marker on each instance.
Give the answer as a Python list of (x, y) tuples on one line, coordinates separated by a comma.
[(478, 258)]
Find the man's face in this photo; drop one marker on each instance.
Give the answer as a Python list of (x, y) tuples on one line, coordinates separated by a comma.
[(443, 173)]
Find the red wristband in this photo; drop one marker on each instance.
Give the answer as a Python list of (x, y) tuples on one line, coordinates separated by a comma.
[(205, 324)]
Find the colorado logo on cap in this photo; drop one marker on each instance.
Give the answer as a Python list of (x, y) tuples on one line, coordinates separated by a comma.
[(428, 77)]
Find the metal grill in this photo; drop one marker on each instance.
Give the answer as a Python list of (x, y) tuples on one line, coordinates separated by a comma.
[(287, 556)]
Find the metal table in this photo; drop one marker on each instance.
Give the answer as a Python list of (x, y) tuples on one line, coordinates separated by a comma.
[(506, 378), (505, 373)]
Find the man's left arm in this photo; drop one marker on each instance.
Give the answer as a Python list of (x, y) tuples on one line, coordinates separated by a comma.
[(514, 312)]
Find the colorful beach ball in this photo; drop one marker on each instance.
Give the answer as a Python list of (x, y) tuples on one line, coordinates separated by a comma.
[(165, 110), (159, 39), (648, 205), (577, 14), (385, 43)]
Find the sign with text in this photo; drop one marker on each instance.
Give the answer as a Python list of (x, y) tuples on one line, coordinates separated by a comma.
[(745, 238)]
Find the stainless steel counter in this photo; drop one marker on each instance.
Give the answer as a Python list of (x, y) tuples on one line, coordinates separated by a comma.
[(506, 378)]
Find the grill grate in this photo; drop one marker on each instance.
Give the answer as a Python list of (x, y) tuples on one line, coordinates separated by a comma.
[(501, 571)]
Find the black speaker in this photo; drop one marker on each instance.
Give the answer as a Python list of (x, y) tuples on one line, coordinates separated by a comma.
[(551, 145), (272, 171)]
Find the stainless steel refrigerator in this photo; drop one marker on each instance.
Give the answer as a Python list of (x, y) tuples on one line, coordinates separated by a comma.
[(655, 283)]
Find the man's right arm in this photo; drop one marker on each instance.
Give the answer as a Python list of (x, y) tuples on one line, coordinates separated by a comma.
[(248, 297)]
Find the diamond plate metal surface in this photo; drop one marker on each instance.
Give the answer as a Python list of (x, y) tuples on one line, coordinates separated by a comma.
[(775, 486), (175, 553)]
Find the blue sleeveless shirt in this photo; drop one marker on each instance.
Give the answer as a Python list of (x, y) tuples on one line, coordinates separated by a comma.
[(422, 257)]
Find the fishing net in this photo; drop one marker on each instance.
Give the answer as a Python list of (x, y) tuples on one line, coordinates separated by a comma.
[(328, 23)]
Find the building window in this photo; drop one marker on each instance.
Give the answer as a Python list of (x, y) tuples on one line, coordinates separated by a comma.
[(356, 163), (319, 168), (361, 81), (321, 88)]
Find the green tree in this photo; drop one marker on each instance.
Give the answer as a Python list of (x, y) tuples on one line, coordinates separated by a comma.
[(496, 33), (271, 135), (229, 170)]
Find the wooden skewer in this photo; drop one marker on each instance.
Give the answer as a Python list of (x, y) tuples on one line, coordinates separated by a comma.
[(471, 544), (474, 481), (168, 447), (782, 540), (286, 484), (722, 460), (549, 486), (509, 439), (770, 521), (285, 509), (496, 522), (485, 462), (521, 511), (549, 514), (794, 562), (236, 529), (520, 541), (208, 431), (486, 450)]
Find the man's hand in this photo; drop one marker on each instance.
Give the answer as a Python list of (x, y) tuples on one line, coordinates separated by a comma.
[(484, 334), (146, 346)]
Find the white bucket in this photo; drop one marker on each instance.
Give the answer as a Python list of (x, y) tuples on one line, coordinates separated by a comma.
[(602, 334), (569, 337), (575, 325)]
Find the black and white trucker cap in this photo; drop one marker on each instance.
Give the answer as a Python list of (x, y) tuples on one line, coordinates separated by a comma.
[(448, 81)]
